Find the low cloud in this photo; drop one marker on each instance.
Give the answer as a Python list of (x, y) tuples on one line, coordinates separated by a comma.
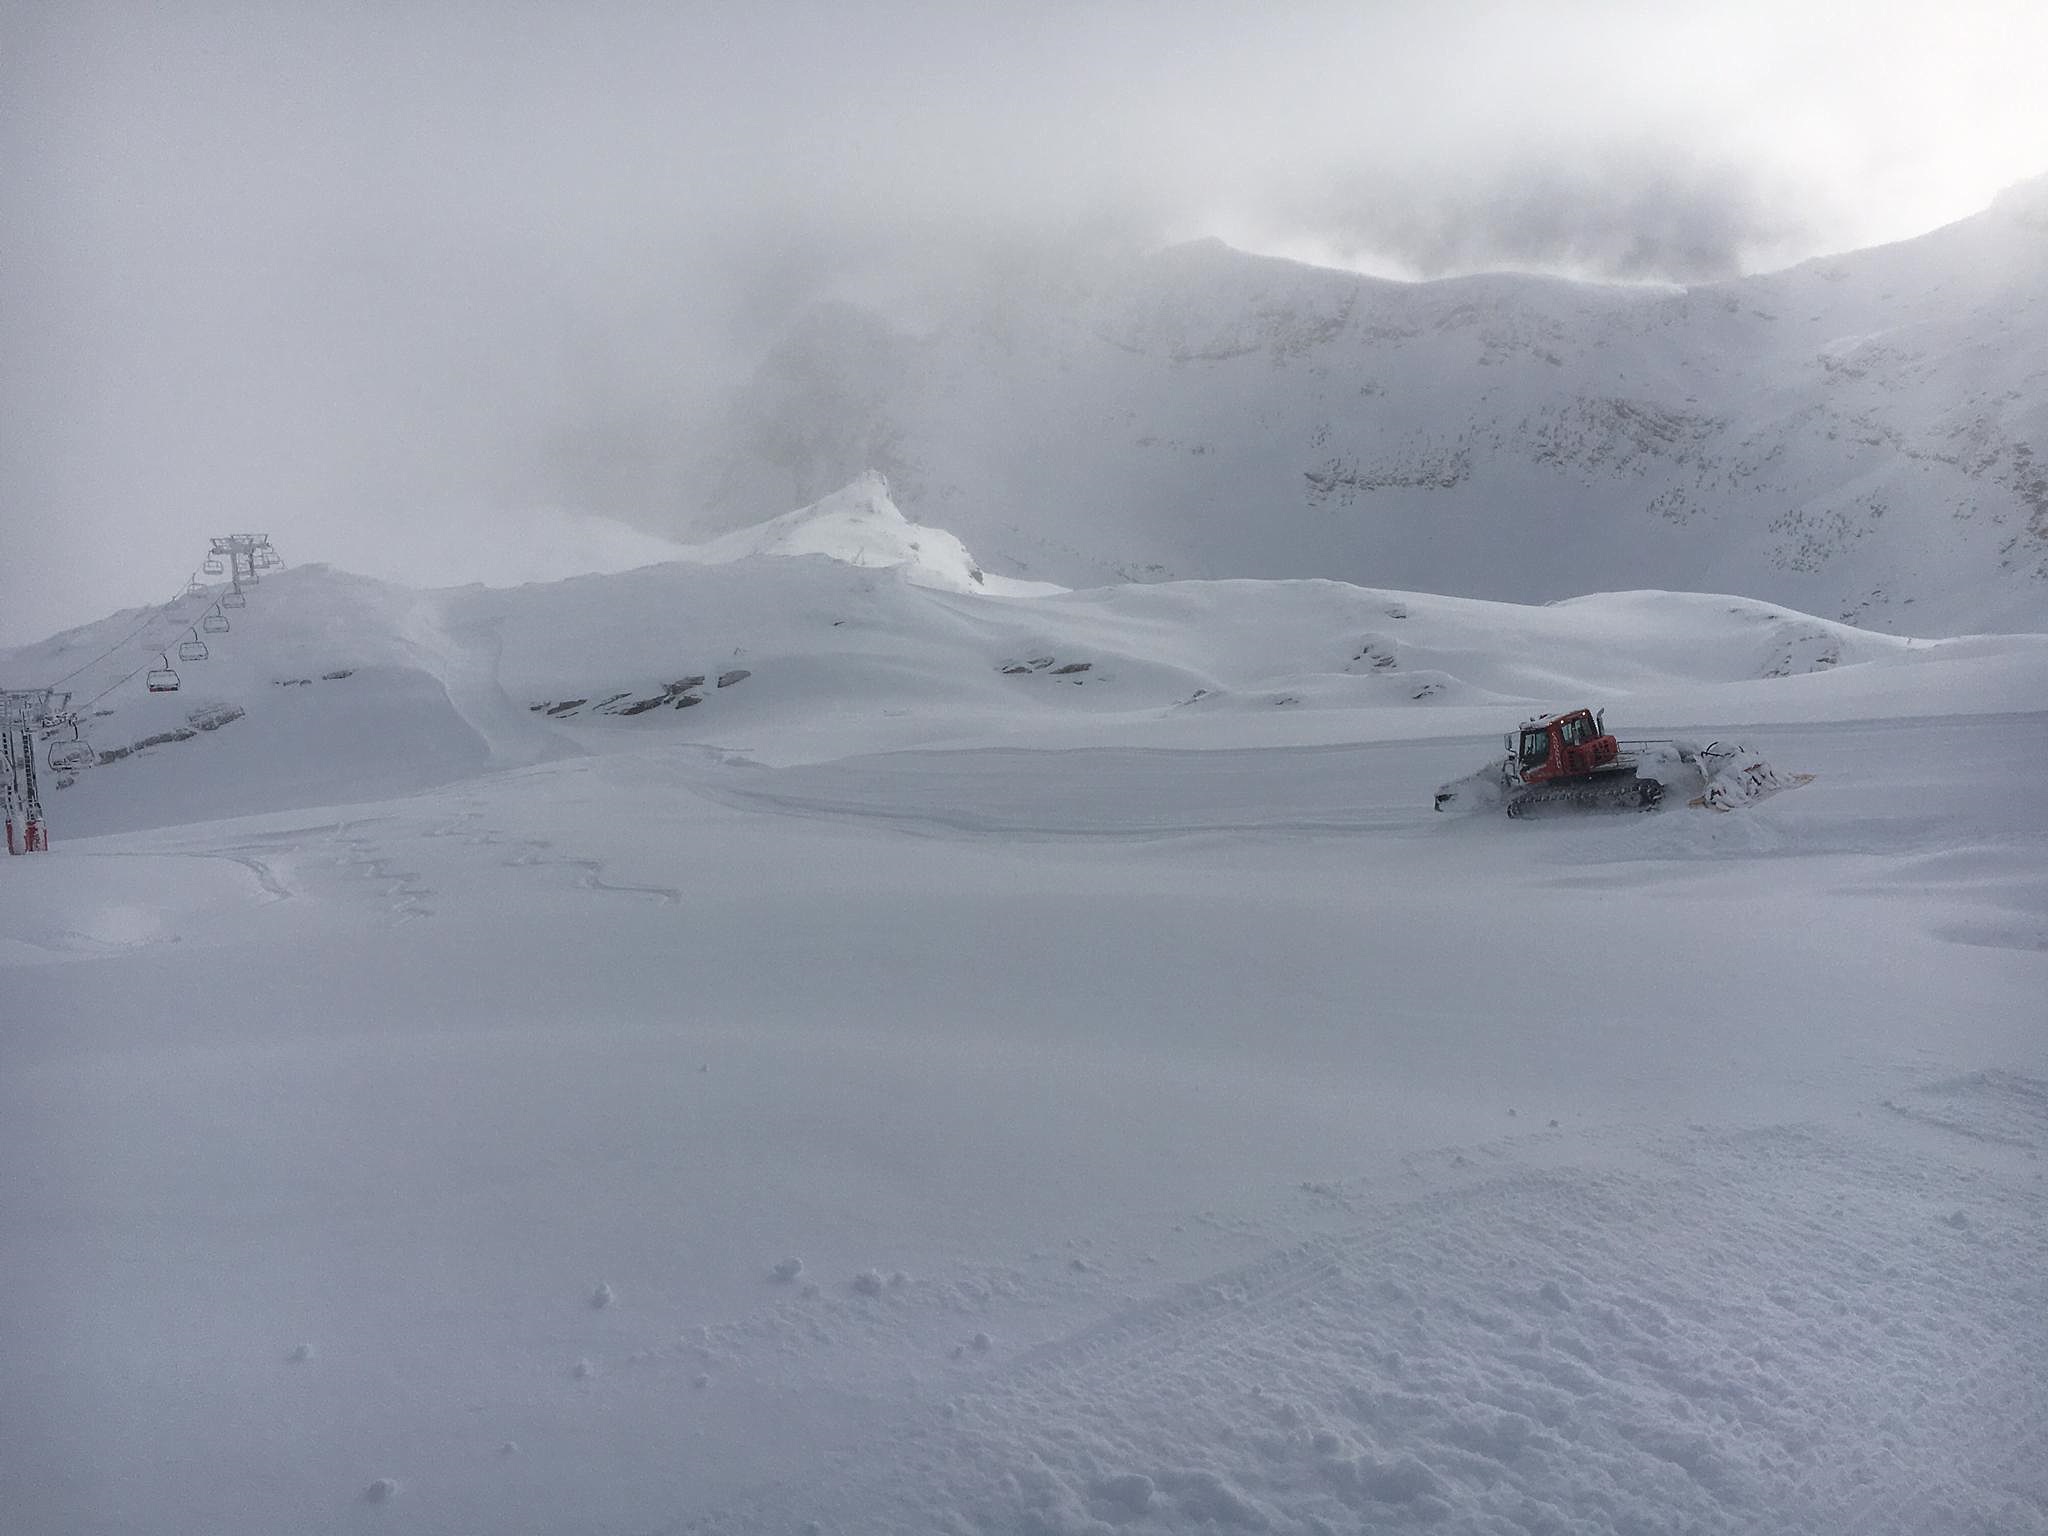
[(1600, 213), (322, 269)]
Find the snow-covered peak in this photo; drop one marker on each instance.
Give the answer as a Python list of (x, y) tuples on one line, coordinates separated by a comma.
[(860, 525)]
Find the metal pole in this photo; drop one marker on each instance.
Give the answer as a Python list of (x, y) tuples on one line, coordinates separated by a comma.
[(7, 781), (36, 836)]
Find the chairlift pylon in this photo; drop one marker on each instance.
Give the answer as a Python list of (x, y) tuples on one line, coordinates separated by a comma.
[(213, 567), (216, 622), (162, 679), (193, 649)]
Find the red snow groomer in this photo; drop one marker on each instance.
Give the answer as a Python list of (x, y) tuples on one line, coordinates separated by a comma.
[(1569, 761)]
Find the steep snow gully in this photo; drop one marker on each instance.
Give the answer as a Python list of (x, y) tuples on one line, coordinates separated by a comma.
[(786, 1043)]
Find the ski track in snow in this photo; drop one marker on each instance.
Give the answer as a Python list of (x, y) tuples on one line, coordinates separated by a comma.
[(539, 853), (160, 917), (2000, 1106), (402, 892), (361, 850), (263, 870)]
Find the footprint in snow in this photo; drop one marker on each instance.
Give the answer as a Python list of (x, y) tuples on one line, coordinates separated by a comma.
[(981, 1344)]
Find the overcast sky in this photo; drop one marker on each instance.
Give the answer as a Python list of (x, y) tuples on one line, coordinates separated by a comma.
[(347, 272)]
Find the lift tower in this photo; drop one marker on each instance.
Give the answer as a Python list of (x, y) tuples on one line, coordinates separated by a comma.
[(246, 554), (21, 710)]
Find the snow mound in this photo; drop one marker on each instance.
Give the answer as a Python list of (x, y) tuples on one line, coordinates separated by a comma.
[(859, 524), (1736, 775)]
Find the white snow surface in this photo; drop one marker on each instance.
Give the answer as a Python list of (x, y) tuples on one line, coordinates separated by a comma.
[(1019, 1064)]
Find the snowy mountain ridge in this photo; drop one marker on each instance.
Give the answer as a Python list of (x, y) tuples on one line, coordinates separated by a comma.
[(1858, 436)]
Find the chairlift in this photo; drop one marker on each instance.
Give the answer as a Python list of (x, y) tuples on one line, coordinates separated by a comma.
[(213, 567), (196, 588), (252, 579), (234, 600), (193, 649), (162, 679), (216, 622), (70, 756)]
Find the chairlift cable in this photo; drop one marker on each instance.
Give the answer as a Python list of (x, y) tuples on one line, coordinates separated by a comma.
[(116, 683), (150, 618)]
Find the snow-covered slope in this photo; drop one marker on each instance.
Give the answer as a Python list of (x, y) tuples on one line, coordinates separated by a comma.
[(331, 686), (767, 1043), (1860, 437)]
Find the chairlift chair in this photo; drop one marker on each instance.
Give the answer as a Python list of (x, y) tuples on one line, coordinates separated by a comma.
[(193, 649), (213, 567), (216, 622), (162, 679), (234, 600), (196, 588), (70, 756)]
